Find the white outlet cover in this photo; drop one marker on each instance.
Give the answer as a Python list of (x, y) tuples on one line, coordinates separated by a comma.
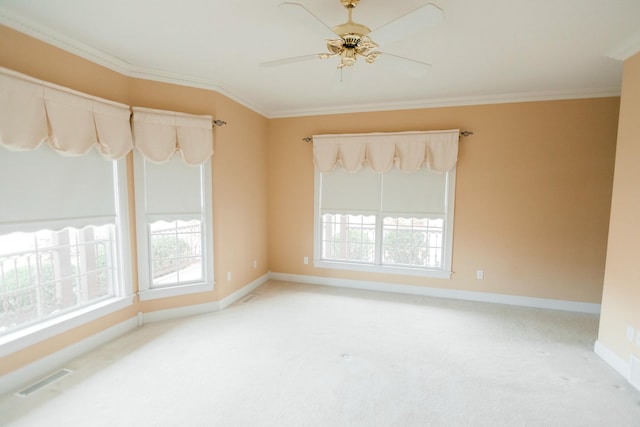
[(630, 333), (638, 339)]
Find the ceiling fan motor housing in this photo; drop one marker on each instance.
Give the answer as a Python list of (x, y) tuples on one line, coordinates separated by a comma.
[(351, 40), (349, 4)]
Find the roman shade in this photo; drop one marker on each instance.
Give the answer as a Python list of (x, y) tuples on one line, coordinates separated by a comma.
[(42, 189), (158, 134), (172, 190), (421, 193), (408, 151), (393, 192), (33, 112), (345, 192)]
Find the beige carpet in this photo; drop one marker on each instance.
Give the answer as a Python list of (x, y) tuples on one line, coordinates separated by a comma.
[(299, 355)]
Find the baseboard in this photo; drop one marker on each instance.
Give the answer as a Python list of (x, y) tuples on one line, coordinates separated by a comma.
[(210, 307), (25, 375), (244, 291), (612, 359), (617, 363), (551, 304)]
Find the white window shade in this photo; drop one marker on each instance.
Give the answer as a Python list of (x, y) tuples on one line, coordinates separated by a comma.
[(419, 193), (173, 190), (42, 189), (344, 191), (33, 112), (408, 151), (158, 134)]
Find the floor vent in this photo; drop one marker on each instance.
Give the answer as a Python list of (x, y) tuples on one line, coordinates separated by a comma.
[(249, 298), (43, 382), (634, 374)]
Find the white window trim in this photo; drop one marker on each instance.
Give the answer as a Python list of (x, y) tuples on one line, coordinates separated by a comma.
[(444, 273), (49, 328), (145, 291), (31, 335)]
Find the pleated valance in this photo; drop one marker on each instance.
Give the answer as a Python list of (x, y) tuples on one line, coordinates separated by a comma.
[(159, 134), (33, 112), (407, 151)]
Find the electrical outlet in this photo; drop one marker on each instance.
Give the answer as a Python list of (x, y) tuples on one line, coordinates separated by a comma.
[(630, 333), (480, 274), (255, 263), (306, 260), (228, 275)]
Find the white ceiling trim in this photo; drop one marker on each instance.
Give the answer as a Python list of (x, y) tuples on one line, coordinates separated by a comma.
[(125, 68), (63, 42), (452, 102)]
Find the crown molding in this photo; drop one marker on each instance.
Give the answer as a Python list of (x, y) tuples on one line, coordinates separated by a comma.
[(451, 102), (627, 49), (63, 42)]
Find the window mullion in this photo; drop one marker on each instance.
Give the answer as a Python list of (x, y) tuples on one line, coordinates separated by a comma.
[(379, 221)]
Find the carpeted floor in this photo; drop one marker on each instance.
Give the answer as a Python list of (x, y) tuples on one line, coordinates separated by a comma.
[(299, 355)]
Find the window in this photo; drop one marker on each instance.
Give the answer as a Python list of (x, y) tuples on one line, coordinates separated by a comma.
[(176, 252), (387, 222), (63, 246), (384, 202), (175, 242), (173, 206), (47, 272)]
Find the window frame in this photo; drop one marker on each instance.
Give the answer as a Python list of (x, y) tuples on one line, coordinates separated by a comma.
[(123, 289), (447, 252), (146, 290)]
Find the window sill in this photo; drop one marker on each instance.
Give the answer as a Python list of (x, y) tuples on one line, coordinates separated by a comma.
[(405, 271), (175, 291), (25, 337)]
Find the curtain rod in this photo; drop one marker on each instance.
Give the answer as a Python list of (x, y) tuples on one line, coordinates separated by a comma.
[(462, 133)]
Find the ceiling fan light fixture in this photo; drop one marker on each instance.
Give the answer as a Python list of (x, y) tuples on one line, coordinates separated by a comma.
[(335, 47), (372, 56), (367, 44), (347, 57)]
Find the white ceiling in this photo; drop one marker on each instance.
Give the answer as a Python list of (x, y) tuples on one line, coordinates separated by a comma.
[(483, 51)]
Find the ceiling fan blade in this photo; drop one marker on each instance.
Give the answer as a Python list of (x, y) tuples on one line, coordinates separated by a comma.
[(291, 60), (407, 66), (422, 17), (301, 15)]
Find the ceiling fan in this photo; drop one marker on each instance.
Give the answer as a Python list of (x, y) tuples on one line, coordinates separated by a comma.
[(355, 39)]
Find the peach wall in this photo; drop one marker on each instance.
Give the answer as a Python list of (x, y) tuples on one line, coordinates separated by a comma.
[(532, 196), (621, 297)]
